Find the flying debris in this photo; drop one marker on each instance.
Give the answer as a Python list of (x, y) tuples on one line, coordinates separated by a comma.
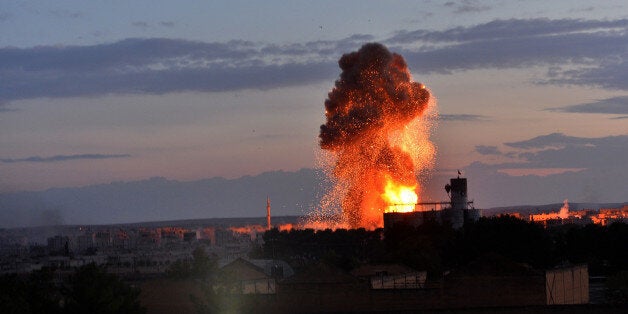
[(376, 137)]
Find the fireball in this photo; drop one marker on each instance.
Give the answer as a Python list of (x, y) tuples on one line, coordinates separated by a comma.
[(376, 136)]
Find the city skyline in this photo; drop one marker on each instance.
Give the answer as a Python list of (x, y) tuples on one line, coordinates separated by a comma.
[(530, 95)]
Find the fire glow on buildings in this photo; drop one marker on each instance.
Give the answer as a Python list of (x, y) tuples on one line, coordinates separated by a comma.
[(604, 216)]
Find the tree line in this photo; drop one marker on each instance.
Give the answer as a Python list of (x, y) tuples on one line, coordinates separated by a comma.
[(435, 247), (88, 290)]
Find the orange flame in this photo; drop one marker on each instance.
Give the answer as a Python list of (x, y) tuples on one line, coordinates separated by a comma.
[(400, 198)]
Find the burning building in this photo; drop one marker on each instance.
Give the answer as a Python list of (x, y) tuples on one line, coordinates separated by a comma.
[(455, 212)]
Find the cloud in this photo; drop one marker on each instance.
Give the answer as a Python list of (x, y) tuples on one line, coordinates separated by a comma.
[(518, 43), (613, 105), (461, 117), (160, 65), (600, 155), (542, 141), (145, 25), (140, 24), (166, 23), (594, 50), (557, 150), (66, 14), (3, 109), (4, 16), (553, 140), (620, 118), (64, 158), (467, 6), (552, 167), (585, 9), (612, 73), (512, 28), (487, 150)]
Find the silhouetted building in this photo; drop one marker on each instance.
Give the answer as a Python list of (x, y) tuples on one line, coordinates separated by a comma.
[(455, 213), (58, 245), (83, 243)]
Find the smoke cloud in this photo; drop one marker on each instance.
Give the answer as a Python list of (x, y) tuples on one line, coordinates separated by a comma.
[(63, 158), (370, 132), (564, 211)]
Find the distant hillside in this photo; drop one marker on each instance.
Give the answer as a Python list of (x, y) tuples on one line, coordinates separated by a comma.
[(535, 209), (158, 199)]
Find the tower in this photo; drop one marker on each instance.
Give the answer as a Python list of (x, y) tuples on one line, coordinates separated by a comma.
[(457, 190), (459, 193), (268, 225)]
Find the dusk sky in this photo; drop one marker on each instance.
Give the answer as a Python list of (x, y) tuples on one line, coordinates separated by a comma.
[(98, 91)]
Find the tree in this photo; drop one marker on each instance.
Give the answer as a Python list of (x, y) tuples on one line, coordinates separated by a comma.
[(92, 290), (510, 237), (200, 267), (14, 296)]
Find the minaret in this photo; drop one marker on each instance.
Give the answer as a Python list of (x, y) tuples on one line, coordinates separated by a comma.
[(268, 212)]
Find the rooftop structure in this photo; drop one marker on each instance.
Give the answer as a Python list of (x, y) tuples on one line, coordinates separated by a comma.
[(456, 211)]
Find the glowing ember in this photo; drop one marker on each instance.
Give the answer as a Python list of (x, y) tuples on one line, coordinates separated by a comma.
[(376, 140)]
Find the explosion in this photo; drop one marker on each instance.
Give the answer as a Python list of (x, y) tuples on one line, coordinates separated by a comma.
[(376, 138)]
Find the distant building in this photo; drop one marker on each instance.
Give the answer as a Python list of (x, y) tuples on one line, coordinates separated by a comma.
[(243, 277), (604, 216), (610, 215), (122, 240), (189, 236), (83, 243), (102, 239), (59, 245), (277, 269), (148, 238)]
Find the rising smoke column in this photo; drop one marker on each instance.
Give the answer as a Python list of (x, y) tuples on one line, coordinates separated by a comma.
[(370, 114), (564, 211)]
